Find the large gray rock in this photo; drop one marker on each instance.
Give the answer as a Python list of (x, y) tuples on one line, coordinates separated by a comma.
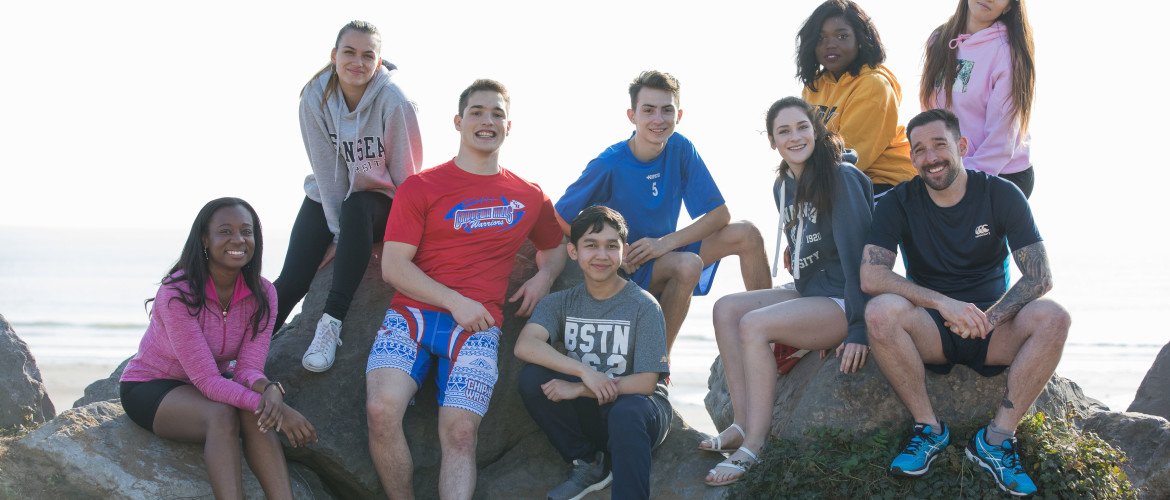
[(817, 394), (24, 399), (514, 457), (1153, 396), (99, 453), (532, 468), (1145, 439)]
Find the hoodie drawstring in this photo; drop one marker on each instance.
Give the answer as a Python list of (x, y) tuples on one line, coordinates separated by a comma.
[(780, 233), (958, 40)]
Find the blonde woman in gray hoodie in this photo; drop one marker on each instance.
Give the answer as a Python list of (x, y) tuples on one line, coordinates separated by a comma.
[(362, 137)]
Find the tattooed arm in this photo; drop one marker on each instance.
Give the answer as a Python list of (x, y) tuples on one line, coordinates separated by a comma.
[(878, 277), (1037, 281)]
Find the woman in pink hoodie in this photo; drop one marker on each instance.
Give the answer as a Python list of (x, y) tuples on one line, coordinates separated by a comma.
[(213, 309), (980, 65)]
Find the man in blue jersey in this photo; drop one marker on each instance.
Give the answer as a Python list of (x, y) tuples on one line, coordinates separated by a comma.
[(955, 226), (647, 178)]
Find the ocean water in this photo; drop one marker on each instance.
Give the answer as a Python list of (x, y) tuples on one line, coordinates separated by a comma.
[(76, 297)]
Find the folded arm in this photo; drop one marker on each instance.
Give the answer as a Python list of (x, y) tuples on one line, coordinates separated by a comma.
[(1037, 281)]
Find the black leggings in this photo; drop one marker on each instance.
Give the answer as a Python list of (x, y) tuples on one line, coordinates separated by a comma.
[(1024, 179), (363, 221)]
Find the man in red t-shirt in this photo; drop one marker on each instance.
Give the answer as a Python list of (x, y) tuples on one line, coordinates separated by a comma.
[(451, 237)]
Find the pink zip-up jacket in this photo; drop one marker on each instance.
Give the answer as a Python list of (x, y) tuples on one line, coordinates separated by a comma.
[(197, 349), (982, 99)]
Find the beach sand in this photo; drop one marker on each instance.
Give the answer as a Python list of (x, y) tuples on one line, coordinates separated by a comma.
[(66, 381)]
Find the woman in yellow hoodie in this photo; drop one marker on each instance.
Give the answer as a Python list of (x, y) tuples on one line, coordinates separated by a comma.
[(839, 60)]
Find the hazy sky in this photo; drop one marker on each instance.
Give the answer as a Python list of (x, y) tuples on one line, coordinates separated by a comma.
[(134, 115)]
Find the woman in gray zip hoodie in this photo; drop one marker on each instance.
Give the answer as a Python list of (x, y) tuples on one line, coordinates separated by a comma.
[(826, 206), (362, 138)]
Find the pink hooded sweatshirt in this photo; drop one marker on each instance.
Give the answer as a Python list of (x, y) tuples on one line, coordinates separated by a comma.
[(198, 349), (982, 99)]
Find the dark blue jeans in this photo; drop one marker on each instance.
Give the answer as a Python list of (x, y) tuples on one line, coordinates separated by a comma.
[(628, 429)]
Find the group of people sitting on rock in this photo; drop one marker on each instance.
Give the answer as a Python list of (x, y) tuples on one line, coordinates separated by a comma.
[(852, 188)]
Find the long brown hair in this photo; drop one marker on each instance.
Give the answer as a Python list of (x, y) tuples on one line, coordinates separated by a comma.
[(817, 184), (941, 63), (331, 85)]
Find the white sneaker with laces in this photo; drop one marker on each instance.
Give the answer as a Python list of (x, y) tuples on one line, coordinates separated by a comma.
[(320, 355)]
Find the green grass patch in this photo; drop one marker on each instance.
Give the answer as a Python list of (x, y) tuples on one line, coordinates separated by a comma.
[(1065, 463)]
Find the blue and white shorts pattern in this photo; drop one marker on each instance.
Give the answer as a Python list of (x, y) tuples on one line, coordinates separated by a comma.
[(411, 339)]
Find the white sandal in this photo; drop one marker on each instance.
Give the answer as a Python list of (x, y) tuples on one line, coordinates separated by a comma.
[(717, 441), (728, 464)]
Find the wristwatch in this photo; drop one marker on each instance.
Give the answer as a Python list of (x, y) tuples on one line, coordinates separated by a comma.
[(271, 383)]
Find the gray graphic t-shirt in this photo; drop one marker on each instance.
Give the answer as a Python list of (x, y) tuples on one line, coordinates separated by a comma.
[(618, 336)]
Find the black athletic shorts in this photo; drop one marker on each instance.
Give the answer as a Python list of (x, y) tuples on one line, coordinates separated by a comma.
[(141, 399), (960, 351)]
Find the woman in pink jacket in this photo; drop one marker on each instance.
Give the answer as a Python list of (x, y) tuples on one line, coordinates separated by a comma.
[(212, 309), (980, 65)]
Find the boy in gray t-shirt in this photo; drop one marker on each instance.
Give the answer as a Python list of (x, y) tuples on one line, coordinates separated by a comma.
[(604, 400)]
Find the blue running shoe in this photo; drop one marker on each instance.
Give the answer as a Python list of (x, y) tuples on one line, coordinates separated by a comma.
[(922, 447), (1003, 463)]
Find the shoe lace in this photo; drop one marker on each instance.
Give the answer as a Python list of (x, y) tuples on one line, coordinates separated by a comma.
[(1010, 459), (915, 442), (321, 339)]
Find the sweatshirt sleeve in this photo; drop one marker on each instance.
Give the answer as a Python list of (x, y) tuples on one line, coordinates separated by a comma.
[(404, 142), (329, 171), (869, 119), (1000, 124), (194, 355), (254, 351), (852, 214)]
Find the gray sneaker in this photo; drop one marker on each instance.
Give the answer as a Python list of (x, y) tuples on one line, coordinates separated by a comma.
[(583, 479)]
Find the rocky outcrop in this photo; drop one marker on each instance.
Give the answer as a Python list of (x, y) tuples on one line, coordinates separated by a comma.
[(24, 399), (1145, 439), (817, 394), (1153, 396), (104, 389), (514, 458), (99, 453)]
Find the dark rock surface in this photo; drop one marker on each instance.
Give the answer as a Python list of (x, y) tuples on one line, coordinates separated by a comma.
[(100, 453), (1153, 395), (1145, 439), (24, 399), (817, 394)]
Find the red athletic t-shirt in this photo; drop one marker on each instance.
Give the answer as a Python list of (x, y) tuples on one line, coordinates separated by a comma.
[(468, 228)]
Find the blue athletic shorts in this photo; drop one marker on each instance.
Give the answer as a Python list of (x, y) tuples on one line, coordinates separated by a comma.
[(412, 339), (643, 274)]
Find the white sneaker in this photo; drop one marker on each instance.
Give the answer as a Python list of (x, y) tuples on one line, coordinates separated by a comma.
[(319, 357)]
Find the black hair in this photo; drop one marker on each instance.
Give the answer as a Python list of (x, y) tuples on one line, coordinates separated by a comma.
[(870, 51), (932, 115), (193, 264), (594, 219)]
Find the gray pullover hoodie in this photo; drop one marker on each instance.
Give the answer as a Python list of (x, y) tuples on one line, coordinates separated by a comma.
[(372, 148), (826, 251)]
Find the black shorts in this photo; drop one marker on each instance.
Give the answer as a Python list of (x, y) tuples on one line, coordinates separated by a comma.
[(141, 399), (963, 351)]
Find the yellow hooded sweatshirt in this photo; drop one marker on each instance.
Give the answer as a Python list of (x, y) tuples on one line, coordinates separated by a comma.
[(864, 110)]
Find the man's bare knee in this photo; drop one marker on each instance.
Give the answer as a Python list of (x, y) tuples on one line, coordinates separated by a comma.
[(459, 436), (1051, 321), (883, 314)]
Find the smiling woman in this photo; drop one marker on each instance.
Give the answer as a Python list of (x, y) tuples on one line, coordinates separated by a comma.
[(362, 142), (175, 386), (839, 60)]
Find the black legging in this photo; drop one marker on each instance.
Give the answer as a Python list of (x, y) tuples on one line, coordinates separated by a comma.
[(362, 221), (1024, 179)]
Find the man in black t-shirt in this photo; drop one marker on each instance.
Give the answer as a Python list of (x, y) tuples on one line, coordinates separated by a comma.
[(955, 226)]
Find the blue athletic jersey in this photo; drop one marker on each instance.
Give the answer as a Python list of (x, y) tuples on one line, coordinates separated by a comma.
[(648, 194), (957, 251)]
